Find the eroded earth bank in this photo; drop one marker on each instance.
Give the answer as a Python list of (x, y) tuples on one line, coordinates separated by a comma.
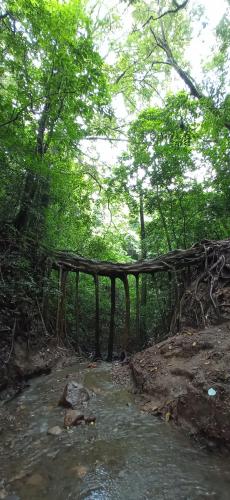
[(186, 379)]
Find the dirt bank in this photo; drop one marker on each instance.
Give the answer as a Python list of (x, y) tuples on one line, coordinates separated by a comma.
[(24, 365), (186, 379)]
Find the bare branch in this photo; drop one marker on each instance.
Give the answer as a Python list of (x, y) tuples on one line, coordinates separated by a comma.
[(167, 12)]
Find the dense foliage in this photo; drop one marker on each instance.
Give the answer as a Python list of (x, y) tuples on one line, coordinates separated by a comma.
[(168, 189)]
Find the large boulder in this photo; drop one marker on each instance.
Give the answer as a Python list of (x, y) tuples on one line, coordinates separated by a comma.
[(74, 395)]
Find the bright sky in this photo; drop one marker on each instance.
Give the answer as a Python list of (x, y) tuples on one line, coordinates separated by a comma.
[(200, 49)]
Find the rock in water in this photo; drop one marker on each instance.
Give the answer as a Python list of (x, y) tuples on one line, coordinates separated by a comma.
[(90, 419), (74, 395), (54, 431), (73, 417)]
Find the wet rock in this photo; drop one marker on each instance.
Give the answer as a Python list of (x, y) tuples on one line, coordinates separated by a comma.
[(74, 395), (54, 431), (90, 419), (73, 418)]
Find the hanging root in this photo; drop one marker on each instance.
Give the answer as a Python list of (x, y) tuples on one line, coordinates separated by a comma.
[(207, 300)]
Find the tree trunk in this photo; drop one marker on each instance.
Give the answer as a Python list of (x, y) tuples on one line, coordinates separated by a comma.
[(127, 315), (77, 310), (163, 220), (137, 278), (142, 224), (97, 318), (29, 190), (142, 327), (35, 197), (112, 319), (60, 326), (46, 288), (143, 309)]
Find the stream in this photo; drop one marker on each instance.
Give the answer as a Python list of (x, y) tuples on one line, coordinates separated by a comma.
[(127, 454)]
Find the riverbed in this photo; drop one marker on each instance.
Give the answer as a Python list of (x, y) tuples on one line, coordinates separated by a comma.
[(126, 454)]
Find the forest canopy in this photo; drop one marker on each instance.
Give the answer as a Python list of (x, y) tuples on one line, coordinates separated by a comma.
[(114, 128)]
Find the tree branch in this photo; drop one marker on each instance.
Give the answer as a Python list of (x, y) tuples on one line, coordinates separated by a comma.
[(167, 12), (3, 16)]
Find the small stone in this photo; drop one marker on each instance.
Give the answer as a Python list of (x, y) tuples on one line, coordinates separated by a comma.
[(54, 431), (73, 417), (90, 419), (52, 454)]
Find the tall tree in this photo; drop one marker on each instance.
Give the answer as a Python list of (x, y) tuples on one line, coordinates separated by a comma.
[(53, 86), (156, 45)]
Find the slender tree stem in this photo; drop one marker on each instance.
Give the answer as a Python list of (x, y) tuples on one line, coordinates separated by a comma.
[(112, 319)]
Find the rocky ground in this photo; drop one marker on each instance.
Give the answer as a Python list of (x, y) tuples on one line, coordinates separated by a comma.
[(186, 380)]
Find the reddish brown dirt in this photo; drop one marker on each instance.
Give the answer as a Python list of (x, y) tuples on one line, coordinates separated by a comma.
[(176, 376)]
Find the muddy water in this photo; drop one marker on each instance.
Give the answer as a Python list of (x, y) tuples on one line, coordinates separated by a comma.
[(126, 455)]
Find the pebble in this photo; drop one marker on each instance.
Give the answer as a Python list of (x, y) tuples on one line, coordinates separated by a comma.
[(54, 431)]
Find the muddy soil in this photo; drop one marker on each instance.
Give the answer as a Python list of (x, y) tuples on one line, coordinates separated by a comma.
[(186, 379)]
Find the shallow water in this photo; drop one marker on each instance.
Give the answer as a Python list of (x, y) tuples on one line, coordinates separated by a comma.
[(126, 455)]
